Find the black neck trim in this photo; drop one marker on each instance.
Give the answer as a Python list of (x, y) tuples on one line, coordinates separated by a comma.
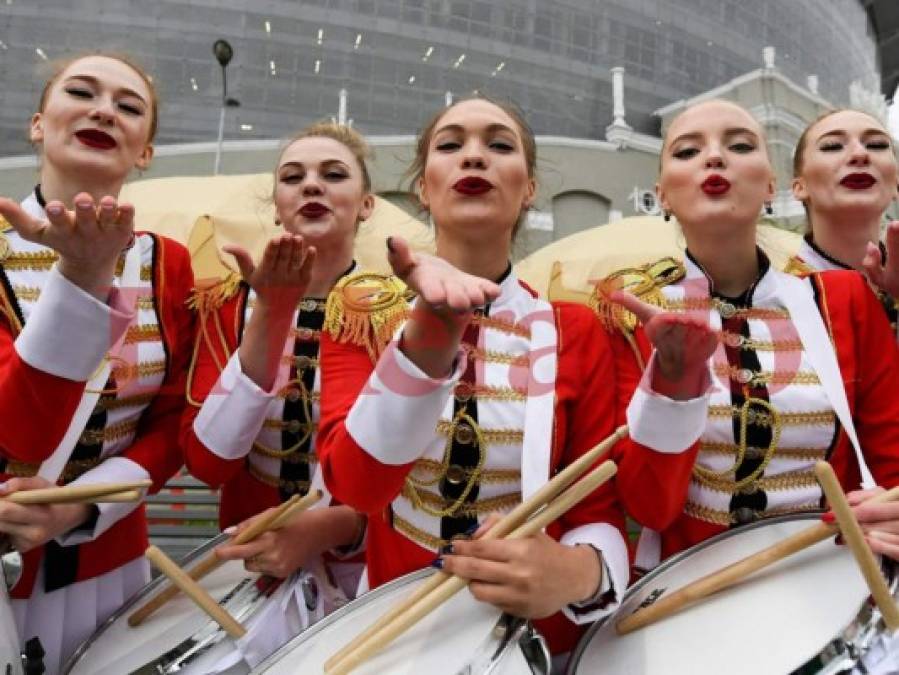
[(40, 196), (744, 299), (809, 239)]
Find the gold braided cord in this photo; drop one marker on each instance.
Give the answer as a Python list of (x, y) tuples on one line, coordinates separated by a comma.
[(73, 469), (491, 436), (751, 344), (125, 402), (487, 476), (720, 477), (726, 518), (764, 419), (418, 535), (289, 458), (436, 505), (142, 333), (300, 486), (646, 282), (110, 433), (757, 379), (491, 356), (697, 304), (809, 454), (501, 325), (301, 363), (145, 302), (789, 480)]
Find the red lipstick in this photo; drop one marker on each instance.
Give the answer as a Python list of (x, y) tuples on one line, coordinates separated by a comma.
[(715, 185), (472, 185), (94, 138), (858, 181), (313, 210)]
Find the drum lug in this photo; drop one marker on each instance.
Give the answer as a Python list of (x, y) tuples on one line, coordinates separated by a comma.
[(536, 651), (12, 568)]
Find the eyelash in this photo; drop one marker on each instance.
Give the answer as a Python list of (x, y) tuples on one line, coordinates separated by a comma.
[(497, 145), (335, 176), (836, 146), (87, 94)]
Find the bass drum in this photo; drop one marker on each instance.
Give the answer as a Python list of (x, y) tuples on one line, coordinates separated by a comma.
[(178, 637), (461, 636), (808, 613)]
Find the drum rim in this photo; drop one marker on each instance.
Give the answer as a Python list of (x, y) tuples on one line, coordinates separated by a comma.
[(334, 616), (138, 597), (586, 638)]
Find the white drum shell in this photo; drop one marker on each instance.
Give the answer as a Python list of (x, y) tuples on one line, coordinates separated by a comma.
[(117, 647), (773, 622), (10, 655), (445, 641)]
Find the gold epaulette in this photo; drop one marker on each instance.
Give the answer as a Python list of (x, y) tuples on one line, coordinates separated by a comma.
[(4, 225), (798, 267), (210, 298), (646, 282), (365, 309)]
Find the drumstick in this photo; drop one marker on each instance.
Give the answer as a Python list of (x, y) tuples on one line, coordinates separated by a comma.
[(114, 497), (213, 562), (390, 631), (736, 572), (547, 492), (73, 493), (195, 592), (855, 539)]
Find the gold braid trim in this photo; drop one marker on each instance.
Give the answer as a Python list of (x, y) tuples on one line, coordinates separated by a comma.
[(418, 535), (290, 457), (145, 369), (125, 402), (791, 480), (697, 304), (27, 293), (490, 436), (438, 506), (293, 426), (748, 343), (5, 225), (145, 302), (366, 309), (725, 518), (30, 260), (466, 391), (809, 454), (486, 476), (646, 282), (110, 433), (299, 486), (8, 310), (490, 356), (73, 469), (212, 297), (757, 379), (502, 326), (142, 333), (764, 419)]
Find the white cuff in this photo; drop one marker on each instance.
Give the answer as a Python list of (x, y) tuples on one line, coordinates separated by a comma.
[(70, 331), (394, 417), (663, 424), (112, 470), (608, 540), (233, 413)]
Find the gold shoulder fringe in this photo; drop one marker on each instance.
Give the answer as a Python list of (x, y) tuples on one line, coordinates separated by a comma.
[(4, 225), (209, 298), (365, 309), (798, 267), (646, 282)]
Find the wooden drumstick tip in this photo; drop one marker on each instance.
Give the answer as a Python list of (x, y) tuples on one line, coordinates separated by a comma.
[(855, 540)]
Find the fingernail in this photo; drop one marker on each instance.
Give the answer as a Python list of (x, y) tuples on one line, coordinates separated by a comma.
[(107, 207), (471, 530), (83, 205), (438, 563), (447, 549), (390, 245), (828, 517), (54, 210), (230, 530)]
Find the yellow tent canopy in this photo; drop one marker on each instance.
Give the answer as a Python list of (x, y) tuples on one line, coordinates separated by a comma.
[(567, 269), (206, 212)]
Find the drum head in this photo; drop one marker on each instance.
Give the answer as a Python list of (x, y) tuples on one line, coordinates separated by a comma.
[(773, 622), (445, 641), (118, 647)]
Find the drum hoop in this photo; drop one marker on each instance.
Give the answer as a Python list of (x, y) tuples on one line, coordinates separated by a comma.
[(585, 640), (139, 597), (336, 615)]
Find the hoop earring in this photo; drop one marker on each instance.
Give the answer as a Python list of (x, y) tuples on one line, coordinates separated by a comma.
[(666, 215), (769, 208)]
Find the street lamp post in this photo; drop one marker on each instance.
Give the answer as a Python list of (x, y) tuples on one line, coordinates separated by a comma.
[(223, 54)]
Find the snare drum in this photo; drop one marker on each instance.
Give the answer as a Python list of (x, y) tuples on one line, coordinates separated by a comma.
[(461, 636), (178, 637), (810, 611), (10, 656)]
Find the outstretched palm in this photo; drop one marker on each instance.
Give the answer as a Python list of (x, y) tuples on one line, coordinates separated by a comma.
[(282, 276)]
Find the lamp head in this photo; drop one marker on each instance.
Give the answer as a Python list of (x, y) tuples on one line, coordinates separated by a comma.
[(223, 52)]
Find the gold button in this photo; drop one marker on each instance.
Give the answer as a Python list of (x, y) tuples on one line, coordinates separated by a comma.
[(293, 426), (726, 310), (744, 376), (302, 362), (734, 340), (308, 305), (293, 395), (464, 391), (464, 434), (455, 474), (754, 453)]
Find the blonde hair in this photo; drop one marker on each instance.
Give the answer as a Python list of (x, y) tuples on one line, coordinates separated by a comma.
[(348, 137)]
